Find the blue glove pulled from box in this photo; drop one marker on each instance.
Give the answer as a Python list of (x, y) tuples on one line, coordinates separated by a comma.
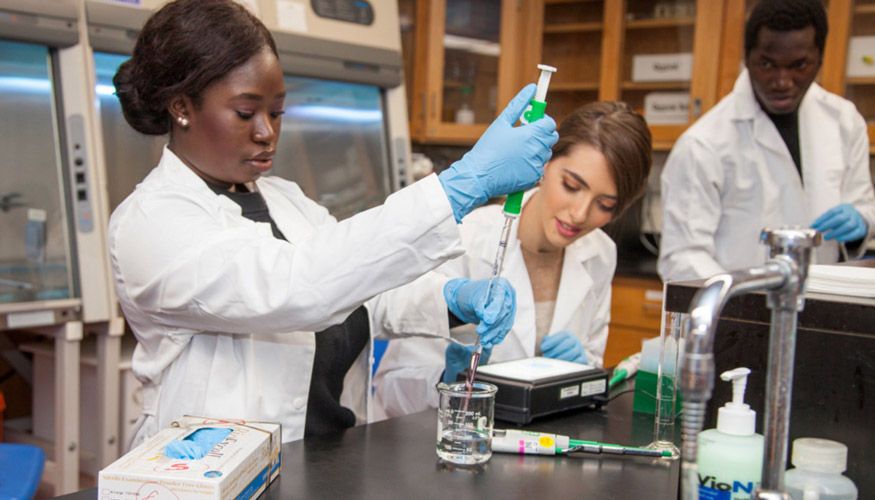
[(197, 444)]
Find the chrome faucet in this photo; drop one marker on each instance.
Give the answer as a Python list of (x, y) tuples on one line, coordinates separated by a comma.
[(783, 277)]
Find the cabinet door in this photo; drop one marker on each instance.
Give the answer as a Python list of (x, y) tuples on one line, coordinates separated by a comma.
[(465, 67), (661, 57), (849, 56), (572, 42), (636, 314)]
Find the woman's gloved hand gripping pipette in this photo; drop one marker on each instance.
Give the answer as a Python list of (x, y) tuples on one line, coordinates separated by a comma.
[(506, 159), (483, 173)]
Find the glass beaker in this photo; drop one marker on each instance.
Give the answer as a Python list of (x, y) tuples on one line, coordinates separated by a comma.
[(464, 430), (667, 391)]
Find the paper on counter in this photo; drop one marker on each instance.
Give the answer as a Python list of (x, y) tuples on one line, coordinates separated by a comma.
[(842, 280)]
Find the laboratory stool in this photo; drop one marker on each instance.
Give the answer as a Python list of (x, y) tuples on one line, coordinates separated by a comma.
[(21, 467)]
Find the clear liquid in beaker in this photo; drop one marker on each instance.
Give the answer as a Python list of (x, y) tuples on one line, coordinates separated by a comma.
[(464, 446)]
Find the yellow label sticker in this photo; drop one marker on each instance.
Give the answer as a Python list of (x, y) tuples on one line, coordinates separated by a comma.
[(546, 441)]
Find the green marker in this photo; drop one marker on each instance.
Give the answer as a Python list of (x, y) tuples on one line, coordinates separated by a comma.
[(627, 368), (612, 449)]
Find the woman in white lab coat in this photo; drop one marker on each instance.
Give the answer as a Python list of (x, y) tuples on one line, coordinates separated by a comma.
[(249, 300), (558, 259)]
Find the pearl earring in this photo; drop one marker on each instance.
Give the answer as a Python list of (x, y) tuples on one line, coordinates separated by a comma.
[(182, 121)]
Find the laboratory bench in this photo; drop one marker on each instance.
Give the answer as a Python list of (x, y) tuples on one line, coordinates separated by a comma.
[(396, 458)]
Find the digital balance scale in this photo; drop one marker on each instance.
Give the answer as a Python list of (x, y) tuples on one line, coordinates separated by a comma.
[(535, 387)]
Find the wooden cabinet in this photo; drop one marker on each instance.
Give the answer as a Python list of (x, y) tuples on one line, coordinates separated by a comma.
[(636, 312), (571, 35), (471, 56), (849, 19), (594, 43), (467, 66)]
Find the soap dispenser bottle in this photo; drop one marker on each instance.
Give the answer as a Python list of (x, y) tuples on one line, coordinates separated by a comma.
[(730, 457)]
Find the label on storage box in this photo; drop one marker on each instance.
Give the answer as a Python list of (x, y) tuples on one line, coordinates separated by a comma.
[(667, 108), (662, 67)]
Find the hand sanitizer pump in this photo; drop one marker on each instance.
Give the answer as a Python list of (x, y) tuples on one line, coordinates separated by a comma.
[(730, 457)]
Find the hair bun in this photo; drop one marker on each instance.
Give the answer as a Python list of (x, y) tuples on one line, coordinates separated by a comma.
[(137, 110)]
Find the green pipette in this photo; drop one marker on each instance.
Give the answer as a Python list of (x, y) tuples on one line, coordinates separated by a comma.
[(512, 208), (514, 202)]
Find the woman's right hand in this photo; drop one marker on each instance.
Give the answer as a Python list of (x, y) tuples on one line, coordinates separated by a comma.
[(493, 315), (458, 359), (506, 159)]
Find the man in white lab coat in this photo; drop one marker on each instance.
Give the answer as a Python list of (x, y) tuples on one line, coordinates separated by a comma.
[(778, 150)]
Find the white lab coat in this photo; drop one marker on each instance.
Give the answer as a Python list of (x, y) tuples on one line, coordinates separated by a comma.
[(410, 368), (224, 313), (730, 175)]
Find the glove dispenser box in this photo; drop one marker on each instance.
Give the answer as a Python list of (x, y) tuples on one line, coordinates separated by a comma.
[(238, 468)]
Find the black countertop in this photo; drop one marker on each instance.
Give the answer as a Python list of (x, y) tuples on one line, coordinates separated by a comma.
[(396, 459)]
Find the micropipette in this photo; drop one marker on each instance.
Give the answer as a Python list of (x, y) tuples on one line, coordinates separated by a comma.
[(544, 443), (512, 208)]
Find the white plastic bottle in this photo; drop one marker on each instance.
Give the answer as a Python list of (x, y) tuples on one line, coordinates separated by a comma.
[(819, 464), (730, 457)]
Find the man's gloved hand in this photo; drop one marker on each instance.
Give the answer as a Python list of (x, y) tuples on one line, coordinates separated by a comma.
[(563, 345), (459, 359), (842, 223), (467, 300), (196, 445), (505, 159)]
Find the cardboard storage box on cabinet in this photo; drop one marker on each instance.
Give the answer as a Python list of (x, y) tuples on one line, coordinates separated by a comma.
[(861, 56)]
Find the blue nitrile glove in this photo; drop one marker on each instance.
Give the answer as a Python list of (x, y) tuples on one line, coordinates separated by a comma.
[(842, 223), (505, 159), (467, 300), (563, 345), (459, 359), (196, 445)]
